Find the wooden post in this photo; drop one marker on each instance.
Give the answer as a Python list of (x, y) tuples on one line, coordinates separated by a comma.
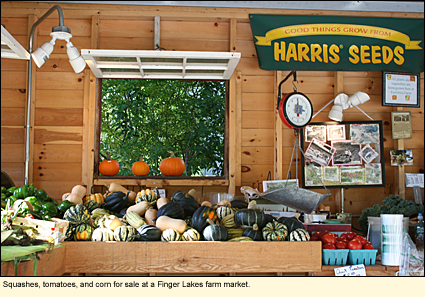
[(278, 133), (399, 179)]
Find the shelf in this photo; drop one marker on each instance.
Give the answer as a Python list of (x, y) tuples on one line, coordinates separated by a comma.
[(160, 182)]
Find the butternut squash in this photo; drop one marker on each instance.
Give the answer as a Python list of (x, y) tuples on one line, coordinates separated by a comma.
[(139, 208), (150, 216), (112, 222), (164, 223), (161, 202), (74, 198), (79, 190), (65, 195), (114, 187), (206, 203), (223, 203)]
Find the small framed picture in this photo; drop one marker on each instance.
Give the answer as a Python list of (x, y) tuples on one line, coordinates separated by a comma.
[(368, 154), (313, 174), (401, 157), (269, 185), (346, 153), (401, 124), (352, 175), (364, 133), (316, 131), (320, 152), (401, 89), (336, 132), (373, 173)]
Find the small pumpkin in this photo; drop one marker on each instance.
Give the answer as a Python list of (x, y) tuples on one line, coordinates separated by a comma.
[(140, 168), (229, 221), (147, 195), (95, 197), (275, 231), (83, 232), (215, 232), (223, 211), (124, 233), (173, 210), (149, 233), (200, 217), (299, 235), (91, 205), (109, 167), (102, 234), (189, 203), (291, 223), (254, 233), (77, 214), (170, 235), (116, 201), (249, 216), (172, 166), (191, 234)]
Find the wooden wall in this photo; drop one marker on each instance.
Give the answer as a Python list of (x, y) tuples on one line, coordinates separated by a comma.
[(63, 122)]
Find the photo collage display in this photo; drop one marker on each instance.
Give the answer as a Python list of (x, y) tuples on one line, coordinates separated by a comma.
[(345, 154)]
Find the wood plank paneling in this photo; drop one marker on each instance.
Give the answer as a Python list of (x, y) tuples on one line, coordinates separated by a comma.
[(60, 81), (58, 135), (57, 171), (13, 153), (257, 137), (13, 98), (258, 101), (12, 135), (13, 80), (57, 153), (257, 119), (59, 117), (13, 116), (14, 170)]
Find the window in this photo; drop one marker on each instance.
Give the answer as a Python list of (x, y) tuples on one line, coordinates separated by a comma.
[(147, 118)]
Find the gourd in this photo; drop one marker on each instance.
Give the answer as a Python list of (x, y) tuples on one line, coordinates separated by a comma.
[(161, 202), (102, 234), (146, 195), (163, 223), (215, 232), (299, 235), (83, 232), (200, 217), (124, 233), (173, 210), (112, 222), (99, 212), (79, 190), (291, 223), (91, 205), (74, 199), (114, 187), (191, 234), (140, 168), (139, 208), (253, 233), (69, 233), (240, 204), (64, 196), (134, 219), (149, 233), (206, 203), (228, 221), (170, 235), (241, 238), (224, 202), (95, 197), (187, 201), (77, 214), (223, 211), (109, 167), (172, 166), (151, 216), (234, 232), (275, 231), (116, 201), (249, 217)]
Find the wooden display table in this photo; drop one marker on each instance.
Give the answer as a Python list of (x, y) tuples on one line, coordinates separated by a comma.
[(176, 258)]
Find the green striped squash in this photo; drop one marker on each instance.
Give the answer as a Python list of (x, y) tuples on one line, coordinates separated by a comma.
[(299, 235), (69, 234), (241, 238), (215, 232), (170, 235), (223, 211), (229, 221), (149, 233), (83, 232), (124, 233), (291, 223), (77, 215), (147, 195), (102, 234), (253, 233), (249, 217), (275, 231), (191, 234), (234, 232), (91, 205)]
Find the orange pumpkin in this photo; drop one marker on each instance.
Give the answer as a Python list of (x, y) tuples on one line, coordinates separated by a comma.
[(140, 168), (172, 166), (109, 167)]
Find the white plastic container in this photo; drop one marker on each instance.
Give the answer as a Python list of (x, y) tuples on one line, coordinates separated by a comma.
[(374, 231)]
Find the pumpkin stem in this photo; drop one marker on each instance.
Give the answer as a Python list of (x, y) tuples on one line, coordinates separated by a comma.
[(172, 154), (210, 222), (108, 155), (192, 192), (255, 227), (252, 204)]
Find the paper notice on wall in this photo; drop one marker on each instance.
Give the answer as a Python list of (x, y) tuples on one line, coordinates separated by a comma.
[(414, 180), (352, 270)]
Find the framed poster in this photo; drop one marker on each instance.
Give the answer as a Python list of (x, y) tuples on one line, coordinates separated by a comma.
[(269, 185), (357, 160), (401, 89), (401, 124)]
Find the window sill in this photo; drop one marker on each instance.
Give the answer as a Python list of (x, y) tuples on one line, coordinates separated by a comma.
[(161, 181)]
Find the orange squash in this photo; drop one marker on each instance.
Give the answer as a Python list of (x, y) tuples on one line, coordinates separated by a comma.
[(140, 168), (172, 166), (109, 167)]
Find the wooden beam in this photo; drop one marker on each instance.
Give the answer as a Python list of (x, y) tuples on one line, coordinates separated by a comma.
[(164, 182), (338, 82), (278, 133), (399, 179)]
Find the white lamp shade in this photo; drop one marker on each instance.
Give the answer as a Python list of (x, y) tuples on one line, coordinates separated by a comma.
[(336, 113), (342, 99), (358, 98), (41, 54), (77, 62)]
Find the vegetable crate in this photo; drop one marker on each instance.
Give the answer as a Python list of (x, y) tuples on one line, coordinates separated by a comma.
[(46, 228), (334, 257), (366, 257)]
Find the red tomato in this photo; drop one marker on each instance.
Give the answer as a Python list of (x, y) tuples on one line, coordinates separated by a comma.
[(315, 237), (334, 235), (329, 246), (348, 235), (340, 238), (341, 245), (361, 239), (355, 245), (368, 246), (328, 238), (323, 233)]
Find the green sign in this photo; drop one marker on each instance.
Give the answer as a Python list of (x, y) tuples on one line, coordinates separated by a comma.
[(289, 42)]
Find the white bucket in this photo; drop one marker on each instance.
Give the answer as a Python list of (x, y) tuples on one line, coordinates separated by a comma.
[(374, 231)]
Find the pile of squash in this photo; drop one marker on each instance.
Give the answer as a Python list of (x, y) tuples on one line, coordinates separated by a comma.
[(123, 215)]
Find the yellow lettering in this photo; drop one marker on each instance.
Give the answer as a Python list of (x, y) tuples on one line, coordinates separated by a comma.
[(303, 50), (398, 51), (387, 54), (279, 51), (332, 51), (364, 54), (292, 53), (353, 50), (316, 50), (376, 55), (325, 53)]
